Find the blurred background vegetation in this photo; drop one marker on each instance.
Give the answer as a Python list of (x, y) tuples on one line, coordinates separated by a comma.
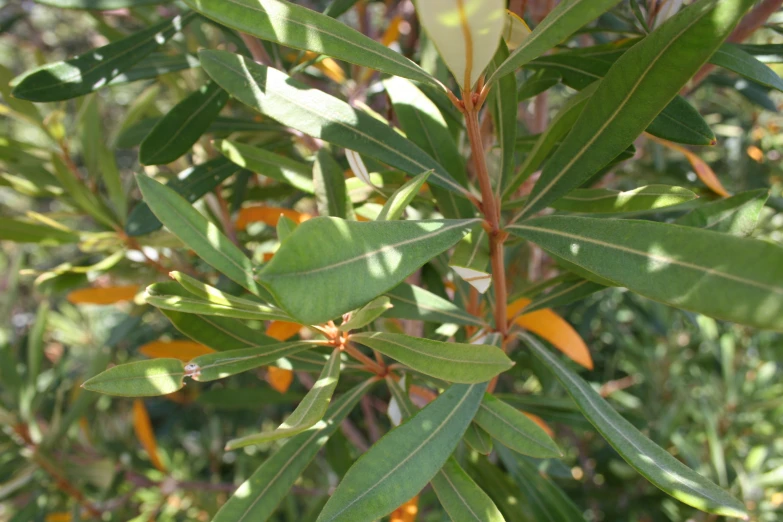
[(709, 392)]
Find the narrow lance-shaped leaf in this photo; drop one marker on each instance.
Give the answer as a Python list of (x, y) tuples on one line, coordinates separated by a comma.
[(194, 305), (320, 115), (258, 497), (192, 184), (183, 125), (514, 429), (414, 302), (140, 379), (402, 197), (637, 87), (157, 64), (461, 497), (329, 187), (375, 256), (215, 296), (471, 258), (478, 439), (733, 58), (503, 102), (399, 465), (649, 459), (466, 33), (559, 24), (605, 200), (731, 278), (737, 215), (453, 362), (269, 164), (563, 294), (91, 71), (309, 412), (197, 232), (19, 231), (366, 314), (301, 28)]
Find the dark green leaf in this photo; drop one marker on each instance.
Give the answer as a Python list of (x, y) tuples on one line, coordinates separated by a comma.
[(514, 429), (733, 58)]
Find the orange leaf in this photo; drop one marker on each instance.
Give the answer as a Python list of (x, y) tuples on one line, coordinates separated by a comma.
[(705, 173), (406, 512), (279, 378), (268, 215), (268, 256), (392, 33), (103, 296), (282, 331), (58, 517), (554, 329), (755, 153), (143, 428), (541, 424), (183, 350)]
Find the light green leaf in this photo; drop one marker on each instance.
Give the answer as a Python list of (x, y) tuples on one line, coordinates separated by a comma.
[(514, 429), (220, 365), (466, 33), (402, 197), (453, 362), (737, 215), (478, 439), (194, 305), (649, 459), (140, 379), (269, 164), (91, 71), (727, 277), (374, 256), (560, 23), (192, 184), (215, 296), (414, 302), (184, 124), (461, 497), (733, 58), (398, 466), (331, 194), (258, 497), (309, 412), (197, 232), (606, 200), (301, 28), (366, 314), (637, 87), (285, 227), (320, 115), (19, 231)]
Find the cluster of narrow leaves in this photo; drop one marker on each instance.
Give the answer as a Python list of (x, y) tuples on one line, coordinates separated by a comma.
[(332, 296)]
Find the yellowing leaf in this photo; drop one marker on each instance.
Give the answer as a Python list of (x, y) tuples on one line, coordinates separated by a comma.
[(279, 378), (466, 33), (515, 31), (705, 173), (183, 350), (103, 296), (406, 512), (268, 215), (554, 329), (143, 428), (541, 424), (282, 331), (58, 517)]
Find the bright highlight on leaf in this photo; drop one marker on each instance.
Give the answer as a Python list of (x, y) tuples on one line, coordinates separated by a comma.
[(104, 296), (515, 30), (554, 329), (145, 434), (182, 350), (466, 33)]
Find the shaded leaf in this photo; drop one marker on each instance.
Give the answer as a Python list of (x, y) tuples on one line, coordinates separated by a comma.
[(19, 231), (402, 197), (461, 497), (732, 57), (269, 164), (145, 434)]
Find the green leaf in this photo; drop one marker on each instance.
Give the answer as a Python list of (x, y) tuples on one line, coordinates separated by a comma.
[(563, 294), (606, 200), (320, 115), (91, 71), (184, 124), (733, 58), (258, 497), (196, 232), (366, 314), (414, 302), (730, 278), (285, 227), (309, 412), (19, 231), (269, 164), (331, 194), (649, 459), (374, 257), (140, 379), (83, 198), (219, 333), (737, 215), (155, 65), (99, 5), (453, 362), (514, 429), (560, 23), (215, 296), (192, 184), (399, 465), (471, 258), (220, 365), (423, 124), (478, 439), (301, 28), (461, 497), (504, 104), (339, 7), (538, 82), (637, 87), (402, 197), (193, 305)]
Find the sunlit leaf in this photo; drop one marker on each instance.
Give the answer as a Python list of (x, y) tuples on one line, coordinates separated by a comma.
[(138, 379)]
